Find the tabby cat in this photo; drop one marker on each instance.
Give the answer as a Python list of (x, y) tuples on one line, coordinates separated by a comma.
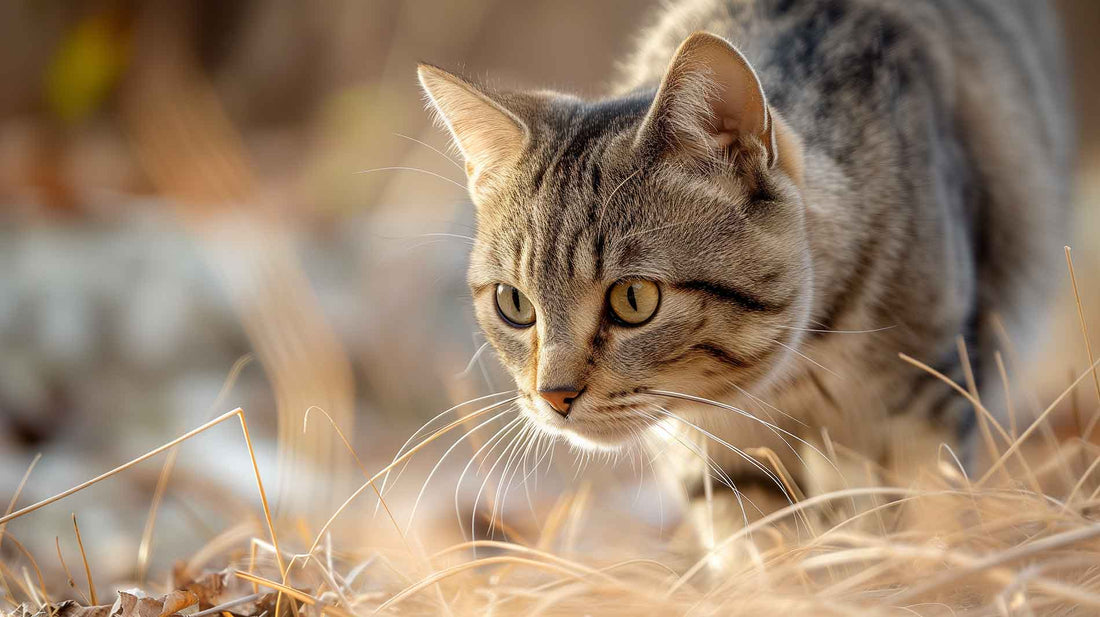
[(779, 197)]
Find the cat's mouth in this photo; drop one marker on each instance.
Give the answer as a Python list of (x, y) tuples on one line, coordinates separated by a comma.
[(593, 424)]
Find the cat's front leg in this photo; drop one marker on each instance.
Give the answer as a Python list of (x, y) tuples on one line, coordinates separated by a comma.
[(723, 505)]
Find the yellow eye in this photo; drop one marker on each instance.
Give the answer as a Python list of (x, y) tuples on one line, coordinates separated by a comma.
[(514, 307), (634, 302)]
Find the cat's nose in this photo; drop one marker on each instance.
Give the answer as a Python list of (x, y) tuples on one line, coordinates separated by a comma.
[(560, 398)]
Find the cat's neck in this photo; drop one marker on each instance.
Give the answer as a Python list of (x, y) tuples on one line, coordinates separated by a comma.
[(837, 234)]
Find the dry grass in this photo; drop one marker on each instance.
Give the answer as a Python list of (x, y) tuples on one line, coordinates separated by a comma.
[(952, 546), (1022, 539)]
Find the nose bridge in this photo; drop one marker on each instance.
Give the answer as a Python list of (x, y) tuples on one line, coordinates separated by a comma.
[(563, 331), (561, 364)]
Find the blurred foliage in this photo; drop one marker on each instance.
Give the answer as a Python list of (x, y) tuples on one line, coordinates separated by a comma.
[(89, 62)]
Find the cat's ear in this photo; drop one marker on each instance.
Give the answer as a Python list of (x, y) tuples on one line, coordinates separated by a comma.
[(489, 136), (709, 98)]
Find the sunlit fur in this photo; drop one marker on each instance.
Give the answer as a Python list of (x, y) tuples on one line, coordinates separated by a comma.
[(648, 219), (920, 188)]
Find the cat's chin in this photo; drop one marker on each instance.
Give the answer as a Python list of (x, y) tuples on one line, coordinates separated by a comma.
[(576, 435), (593, 443)]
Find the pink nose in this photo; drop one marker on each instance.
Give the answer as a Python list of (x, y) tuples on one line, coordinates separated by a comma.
[(560, 399)]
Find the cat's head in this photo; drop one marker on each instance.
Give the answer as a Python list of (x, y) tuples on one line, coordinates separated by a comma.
[(650, 242)]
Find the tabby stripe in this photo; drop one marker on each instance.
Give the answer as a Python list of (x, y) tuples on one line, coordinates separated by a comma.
[(597, 252), (720, 354), (729, 294)]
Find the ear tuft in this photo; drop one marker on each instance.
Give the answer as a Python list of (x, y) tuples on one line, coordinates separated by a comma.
[(489, 136)]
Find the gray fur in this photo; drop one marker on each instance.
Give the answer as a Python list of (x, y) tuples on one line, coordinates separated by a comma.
[(935, 160)]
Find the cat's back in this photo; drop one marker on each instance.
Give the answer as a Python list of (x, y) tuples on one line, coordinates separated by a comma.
[(938, 145), (830, 65)]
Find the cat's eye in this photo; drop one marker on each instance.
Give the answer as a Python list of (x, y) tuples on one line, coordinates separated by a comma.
[(634, 301), (514, 307)]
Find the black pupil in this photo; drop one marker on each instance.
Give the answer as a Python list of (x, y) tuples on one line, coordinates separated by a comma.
[(515, 299), (631, 298)]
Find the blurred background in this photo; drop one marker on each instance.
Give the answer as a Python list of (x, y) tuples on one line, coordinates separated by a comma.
[(186, 184)]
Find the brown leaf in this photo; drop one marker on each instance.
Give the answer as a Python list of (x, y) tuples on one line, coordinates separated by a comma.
[(129, 605), (177, 601), (218, 588), (68, 608), (209, 589)]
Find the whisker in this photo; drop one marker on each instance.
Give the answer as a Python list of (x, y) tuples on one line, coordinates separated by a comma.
[(716, 470), (435, 468), (603, 207), (545, 443), (434, 149), (489, 443), (481, 367), (370, 482), (505, 483), (473, 361), (720, 473), (443, 234), (773, 427), (767, 404), (829, 331), (484, 483), (732, 448), (416, 169), (424, 426), (536, 435), (808, 358), (649, 231), (728, 482)]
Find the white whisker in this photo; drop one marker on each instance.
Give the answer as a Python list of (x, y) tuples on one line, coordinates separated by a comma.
[(767, 404), (649, 231), (488, 476), (773, 476), (416, 169), (732, 448), (442, 234), (774, 428), (808, 358), (385, 478), (435, 468), (473, 361), (505, 483), (716, 470), (603, 207), (434, 149), (828, 331), (532, 442), (473, 457)]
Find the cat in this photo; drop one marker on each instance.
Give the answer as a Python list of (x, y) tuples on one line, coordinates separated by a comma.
[(778, 198)]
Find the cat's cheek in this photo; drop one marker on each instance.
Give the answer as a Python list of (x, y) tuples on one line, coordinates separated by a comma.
[(513, 351)]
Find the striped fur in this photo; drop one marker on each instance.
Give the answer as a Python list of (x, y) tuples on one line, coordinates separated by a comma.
[(920, 187)]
